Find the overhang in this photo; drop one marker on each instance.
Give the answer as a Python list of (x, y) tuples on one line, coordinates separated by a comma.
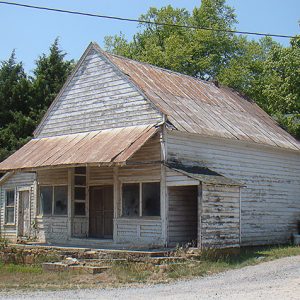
[(203, 174), (105, 147)]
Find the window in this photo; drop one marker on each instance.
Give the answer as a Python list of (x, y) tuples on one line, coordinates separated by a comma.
[(79, 191), (54, 200), (141, 199), (10, 207)]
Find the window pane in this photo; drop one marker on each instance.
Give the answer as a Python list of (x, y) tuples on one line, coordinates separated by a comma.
[(79, 209), (10, 215), (46, 200), (60, 200), (79, 193), (80, 170), (130, 197), (151, 199), (10, 198), (80, 180)]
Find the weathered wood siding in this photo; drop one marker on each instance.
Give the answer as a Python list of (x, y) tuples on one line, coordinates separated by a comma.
[(53, 177), (270, 201), (182, 214), (16, 182), (143, 231), (97, 97), (220, 216)]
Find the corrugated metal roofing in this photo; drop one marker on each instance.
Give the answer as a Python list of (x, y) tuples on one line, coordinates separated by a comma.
[(106, 147), (200, 107)]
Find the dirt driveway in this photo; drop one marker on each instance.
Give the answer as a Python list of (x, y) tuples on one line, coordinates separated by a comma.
[(279, 279)]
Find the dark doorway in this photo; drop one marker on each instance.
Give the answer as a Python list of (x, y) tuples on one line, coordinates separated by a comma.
[(183, 215), (101, 212)]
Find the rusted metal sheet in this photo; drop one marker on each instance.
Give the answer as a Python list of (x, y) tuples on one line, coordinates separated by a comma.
[(200, 107), (105, 147)]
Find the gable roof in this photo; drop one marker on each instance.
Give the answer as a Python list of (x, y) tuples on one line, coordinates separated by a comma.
[(200, 107)]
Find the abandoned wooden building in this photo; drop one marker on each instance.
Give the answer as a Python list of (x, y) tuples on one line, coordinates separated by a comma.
[(133, 155)]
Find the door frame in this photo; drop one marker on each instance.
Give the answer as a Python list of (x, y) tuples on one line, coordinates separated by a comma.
[(90, 187), (22, 189)]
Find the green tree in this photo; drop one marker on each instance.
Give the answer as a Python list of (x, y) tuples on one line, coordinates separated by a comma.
[(199, 53), (50, 73)]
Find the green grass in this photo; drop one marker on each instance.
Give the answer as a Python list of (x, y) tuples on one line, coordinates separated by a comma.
[(18, 276)]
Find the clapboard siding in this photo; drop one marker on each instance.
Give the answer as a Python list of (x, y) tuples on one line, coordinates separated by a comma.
[(270, 199), (97, 97), (52, 229), (182, 214), (220, 216), (52, 176), (174, 178), (15, 182), (100, 175), (139, 231)]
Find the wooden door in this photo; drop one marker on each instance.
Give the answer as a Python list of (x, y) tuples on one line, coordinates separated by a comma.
[(24, 213), (101, 212)]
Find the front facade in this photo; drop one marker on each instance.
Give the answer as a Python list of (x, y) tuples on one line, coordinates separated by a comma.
[(130, 155)]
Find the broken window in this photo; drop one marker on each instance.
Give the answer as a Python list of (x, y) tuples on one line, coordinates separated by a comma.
[(151, 199), (54, 200), (10, 207), (131, 202), (141, 199), (60, 200)]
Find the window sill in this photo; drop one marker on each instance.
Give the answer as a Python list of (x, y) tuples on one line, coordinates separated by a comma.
[(146, 218), (10, 224)]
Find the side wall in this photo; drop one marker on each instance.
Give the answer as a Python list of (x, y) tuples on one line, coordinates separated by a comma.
[(270, 202), (220, 216), (16, 182)]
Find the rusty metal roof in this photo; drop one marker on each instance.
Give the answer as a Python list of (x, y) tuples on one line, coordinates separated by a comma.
[(200, 107), (105, 147)]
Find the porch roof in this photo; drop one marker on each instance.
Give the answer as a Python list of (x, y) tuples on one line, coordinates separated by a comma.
[(105, 147)]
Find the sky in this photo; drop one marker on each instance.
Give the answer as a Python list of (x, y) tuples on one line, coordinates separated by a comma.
[(31, 32)]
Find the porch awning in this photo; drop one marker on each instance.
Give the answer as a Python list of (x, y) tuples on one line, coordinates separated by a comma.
[(105, 147), (203, 174)]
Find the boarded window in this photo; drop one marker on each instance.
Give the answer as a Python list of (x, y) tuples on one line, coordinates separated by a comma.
[(60, 200), (130, 196), (10, 207), (53, 200), (151, 199), (145, 195)]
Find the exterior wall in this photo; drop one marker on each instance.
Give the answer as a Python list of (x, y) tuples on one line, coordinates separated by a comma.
[(16, 182), (220, 216), (97, 97), (270, 202)]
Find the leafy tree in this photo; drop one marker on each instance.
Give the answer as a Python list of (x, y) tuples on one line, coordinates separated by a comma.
[(198, 53)]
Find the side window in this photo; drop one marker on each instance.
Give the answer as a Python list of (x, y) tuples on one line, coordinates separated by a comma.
[(141, 199), (53, 200), (10, 207)]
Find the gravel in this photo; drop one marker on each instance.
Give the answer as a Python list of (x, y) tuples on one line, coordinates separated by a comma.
[(279, 279)]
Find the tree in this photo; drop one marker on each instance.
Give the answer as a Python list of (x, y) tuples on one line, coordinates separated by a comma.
[(50, 73), (199, 53)]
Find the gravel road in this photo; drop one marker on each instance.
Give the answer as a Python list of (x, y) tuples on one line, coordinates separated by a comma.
[(279, 279)]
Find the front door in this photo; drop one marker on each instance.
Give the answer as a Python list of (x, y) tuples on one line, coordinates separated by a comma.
[(24, 213), (101, 212)]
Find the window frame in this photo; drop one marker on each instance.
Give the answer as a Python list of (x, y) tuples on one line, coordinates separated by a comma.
[(140, 183), (9, 206), (83, 173), (40, 213)]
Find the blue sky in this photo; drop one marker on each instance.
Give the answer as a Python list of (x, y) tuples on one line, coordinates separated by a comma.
[(30, 32)]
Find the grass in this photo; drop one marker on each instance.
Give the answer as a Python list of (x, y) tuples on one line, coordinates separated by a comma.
[(19, 276)]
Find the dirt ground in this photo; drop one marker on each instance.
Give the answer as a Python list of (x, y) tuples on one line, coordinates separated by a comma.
[(279, 279)]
